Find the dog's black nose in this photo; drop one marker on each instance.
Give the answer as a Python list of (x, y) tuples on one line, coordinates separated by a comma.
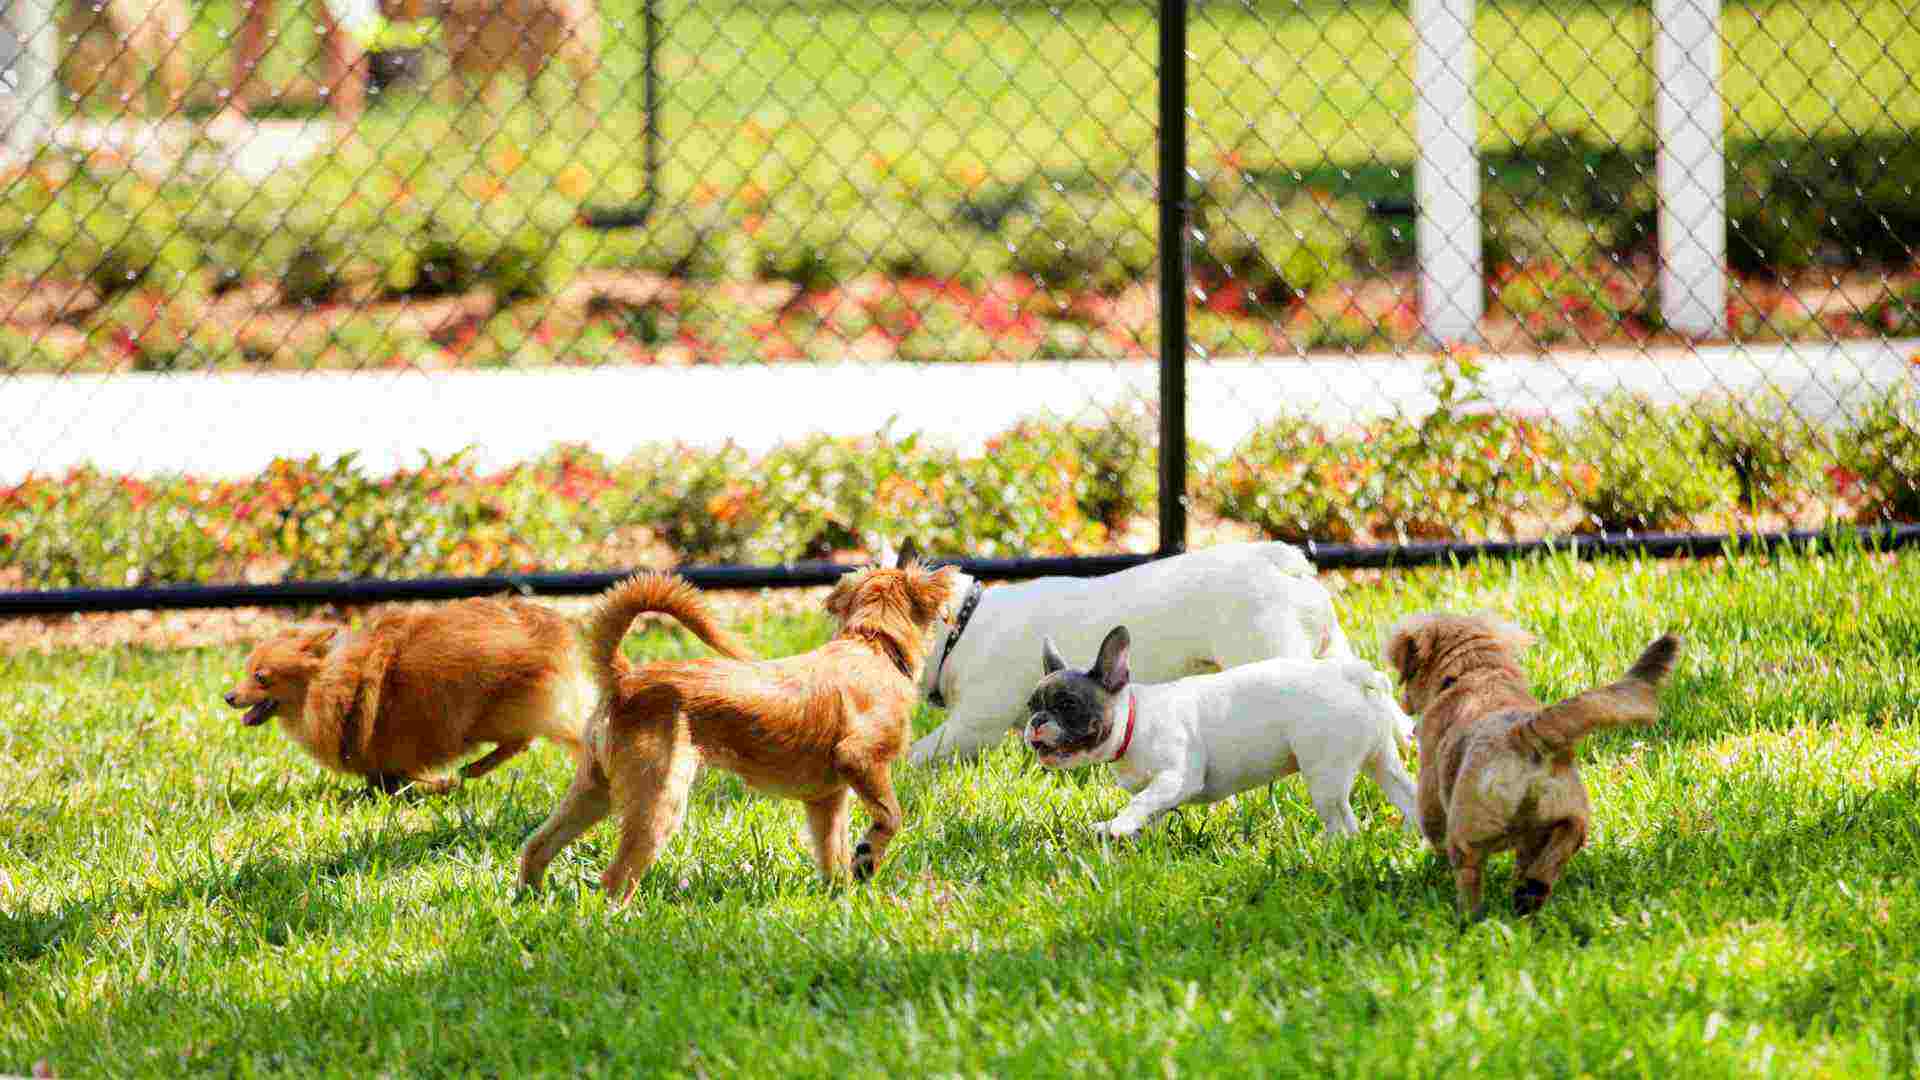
[(228, 698)]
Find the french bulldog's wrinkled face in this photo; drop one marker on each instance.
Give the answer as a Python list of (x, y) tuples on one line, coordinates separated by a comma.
[(1072, 713)]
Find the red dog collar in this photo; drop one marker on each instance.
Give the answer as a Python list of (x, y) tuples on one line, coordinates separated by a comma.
[(1133, 706)]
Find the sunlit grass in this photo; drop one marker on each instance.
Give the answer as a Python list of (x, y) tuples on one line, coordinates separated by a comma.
[(178, 893)]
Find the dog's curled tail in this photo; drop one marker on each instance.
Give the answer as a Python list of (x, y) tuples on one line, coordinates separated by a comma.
[(1374, 683), (651, 591), (1632, 700)]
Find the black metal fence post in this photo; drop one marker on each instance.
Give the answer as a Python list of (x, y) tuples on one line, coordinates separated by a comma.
[(1173, 276), (650, 98)]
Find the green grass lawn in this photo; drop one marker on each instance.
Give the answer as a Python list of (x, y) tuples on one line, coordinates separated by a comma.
[(177, 893), (810, 92)]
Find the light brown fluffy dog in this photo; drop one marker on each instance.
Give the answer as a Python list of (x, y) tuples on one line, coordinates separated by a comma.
[(417, 690), (111, 44), (1497, 770), (485, 37), (814, 727)]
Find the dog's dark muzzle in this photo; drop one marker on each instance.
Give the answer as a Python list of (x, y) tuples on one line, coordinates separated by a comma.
[(259, 713)]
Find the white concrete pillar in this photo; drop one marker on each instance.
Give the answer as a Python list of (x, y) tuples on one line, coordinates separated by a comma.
[(1447, 172), (29, 100), (1691, 166)]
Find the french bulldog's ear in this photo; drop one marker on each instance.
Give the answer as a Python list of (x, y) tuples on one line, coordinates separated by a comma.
[(1050, 658), (1111, 671), (909, 552)]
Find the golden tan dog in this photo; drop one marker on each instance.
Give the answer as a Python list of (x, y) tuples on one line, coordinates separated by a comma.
[(484, 37), (1497, 770), (418, 689), (812, 727), (108, 43)]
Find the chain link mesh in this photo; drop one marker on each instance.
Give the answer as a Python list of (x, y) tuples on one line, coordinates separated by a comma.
[(389, 288)]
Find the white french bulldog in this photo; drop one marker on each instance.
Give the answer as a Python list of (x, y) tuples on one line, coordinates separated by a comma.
[(1209, 737), (1206, 610)]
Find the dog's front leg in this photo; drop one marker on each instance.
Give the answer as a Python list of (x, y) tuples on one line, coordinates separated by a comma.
[(1167, 791), (495, 758)]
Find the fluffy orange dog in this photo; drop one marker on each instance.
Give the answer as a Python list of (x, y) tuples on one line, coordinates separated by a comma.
[(812, 727), (417, 690), (1497, 770)]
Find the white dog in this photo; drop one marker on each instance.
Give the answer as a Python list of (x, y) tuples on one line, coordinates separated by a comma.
[(1210, 737), (1208, 610)]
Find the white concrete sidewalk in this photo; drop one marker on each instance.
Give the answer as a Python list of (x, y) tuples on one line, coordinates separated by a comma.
[(232, 425)]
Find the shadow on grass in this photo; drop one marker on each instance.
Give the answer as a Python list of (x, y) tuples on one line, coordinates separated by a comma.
[(261, 887), (705, 964)]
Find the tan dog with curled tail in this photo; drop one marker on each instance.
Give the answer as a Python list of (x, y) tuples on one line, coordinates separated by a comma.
[(1497, 771), (819, 727)]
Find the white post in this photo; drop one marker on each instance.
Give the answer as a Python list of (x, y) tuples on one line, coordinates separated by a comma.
[(1691, 167), (1446, 175), (29, 38)]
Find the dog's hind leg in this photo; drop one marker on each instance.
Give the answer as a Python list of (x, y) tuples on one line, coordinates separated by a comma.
[(875, 788), (651, 779), (827, 823), (1542, 861), (498, 756), (1466, 861), (1396, 785), (388, 783), (586, 802), (1332, 791)]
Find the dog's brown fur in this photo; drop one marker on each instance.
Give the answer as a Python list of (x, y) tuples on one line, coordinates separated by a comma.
[(416, 690), (110, 45), (1497, 771), (485, 37), (812, 727)]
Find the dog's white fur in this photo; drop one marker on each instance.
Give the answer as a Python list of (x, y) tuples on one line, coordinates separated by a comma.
[(1209, 737), (1206, 610)]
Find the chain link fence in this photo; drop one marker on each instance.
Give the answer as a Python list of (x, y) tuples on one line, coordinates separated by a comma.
[(393, 289)]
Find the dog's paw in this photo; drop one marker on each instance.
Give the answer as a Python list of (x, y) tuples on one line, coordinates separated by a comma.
[(1117, 829), (1531, 896), (863, 861)]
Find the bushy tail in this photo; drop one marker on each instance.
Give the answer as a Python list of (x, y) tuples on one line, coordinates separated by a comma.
[(1632, 700), (646, 592)]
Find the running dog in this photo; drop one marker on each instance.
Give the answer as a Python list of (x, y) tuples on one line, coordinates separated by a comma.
[(418, 689), (1205, 611), (1497, 771), (818, 727), (1210, 737)]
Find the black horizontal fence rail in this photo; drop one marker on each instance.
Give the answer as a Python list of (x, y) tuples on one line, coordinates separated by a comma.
[(815, 574)]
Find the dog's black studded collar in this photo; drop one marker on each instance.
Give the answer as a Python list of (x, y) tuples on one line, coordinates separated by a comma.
[(935, 697)]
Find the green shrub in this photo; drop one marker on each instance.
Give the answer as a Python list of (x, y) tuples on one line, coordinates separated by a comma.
[(1297, 481), (1585, 302), (1896, 313), (1463, 470), (115, 231), (1110, 465), (1277, 248), (1640, 466), (1881, 452), (1537, 232), (1101, 240), (1773, 454)]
